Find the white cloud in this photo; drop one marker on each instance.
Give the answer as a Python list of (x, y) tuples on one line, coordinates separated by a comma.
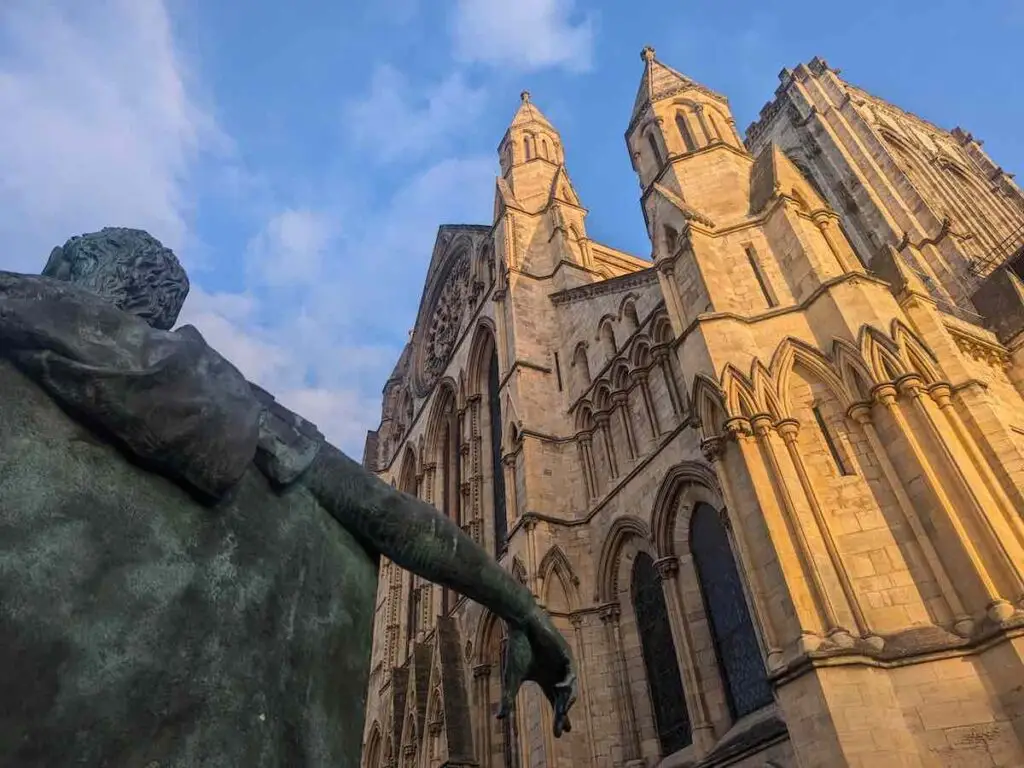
[(324, 341), (397, 120), (98, 128), (291, 248), (101, 126), (526, 35)]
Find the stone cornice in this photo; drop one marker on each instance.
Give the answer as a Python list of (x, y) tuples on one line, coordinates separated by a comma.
[(611, 285)]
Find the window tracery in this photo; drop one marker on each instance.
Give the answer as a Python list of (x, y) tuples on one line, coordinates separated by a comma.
[(739, 654), (659, 654)]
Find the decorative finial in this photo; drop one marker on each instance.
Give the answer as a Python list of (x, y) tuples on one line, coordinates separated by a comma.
[(647, 54), (525, 96)]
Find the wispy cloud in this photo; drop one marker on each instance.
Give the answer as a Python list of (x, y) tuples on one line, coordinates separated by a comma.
[(396, 120), (102, 126), (98, 124), (290, 249), (525, 35), (322, 319)]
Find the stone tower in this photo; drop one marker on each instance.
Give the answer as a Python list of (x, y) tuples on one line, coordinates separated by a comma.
[(769, 483)]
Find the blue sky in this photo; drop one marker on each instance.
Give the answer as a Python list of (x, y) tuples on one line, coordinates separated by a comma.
[(299, 156)]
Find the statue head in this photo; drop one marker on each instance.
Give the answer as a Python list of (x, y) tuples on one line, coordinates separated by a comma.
[(128, 267)]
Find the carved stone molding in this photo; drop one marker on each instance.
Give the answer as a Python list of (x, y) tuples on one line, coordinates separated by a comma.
[(610, 613), (444, 322), (667, 567)]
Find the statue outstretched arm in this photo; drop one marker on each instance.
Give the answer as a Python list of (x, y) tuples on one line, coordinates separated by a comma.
[(420, 539), (414, 535)]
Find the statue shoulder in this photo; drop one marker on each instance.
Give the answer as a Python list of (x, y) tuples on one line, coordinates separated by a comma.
[(287, 442)]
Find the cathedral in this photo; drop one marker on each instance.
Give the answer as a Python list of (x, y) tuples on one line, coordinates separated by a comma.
[(768, 480)]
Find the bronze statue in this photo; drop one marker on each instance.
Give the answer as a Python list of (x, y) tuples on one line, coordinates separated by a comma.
[(188, 571)]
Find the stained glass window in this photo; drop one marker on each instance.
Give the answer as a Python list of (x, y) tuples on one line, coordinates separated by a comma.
[(497, 471), (739, 656), (659, 652)]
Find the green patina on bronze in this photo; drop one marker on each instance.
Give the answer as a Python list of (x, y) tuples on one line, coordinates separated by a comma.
[(188, 570)]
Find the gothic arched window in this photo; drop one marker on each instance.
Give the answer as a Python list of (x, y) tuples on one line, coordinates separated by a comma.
[(659, 652), (739, 656), (684, 132), (497, 470), (656, 150), (412, 610)]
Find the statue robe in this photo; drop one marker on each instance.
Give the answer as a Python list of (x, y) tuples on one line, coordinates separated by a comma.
[(170, 593)]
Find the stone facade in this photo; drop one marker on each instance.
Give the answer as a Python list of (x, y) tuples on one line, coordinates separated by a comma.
[(768, 482)]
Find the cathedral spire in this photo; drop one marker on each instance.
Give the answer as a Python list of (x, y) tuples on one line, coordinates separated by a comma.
[(531, 154), (658, 82)]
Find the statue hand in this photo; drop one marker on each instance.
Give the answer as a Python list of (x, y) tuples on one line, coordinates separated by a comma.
[(538, 652)]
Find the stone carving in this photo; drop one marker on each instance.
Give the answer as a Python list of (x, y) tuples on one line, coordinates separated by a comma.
[(188, 570), (446, 322)]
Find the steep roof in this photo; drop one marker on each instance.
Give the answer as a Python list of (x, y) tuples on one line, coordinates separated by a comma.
[(660, 81)]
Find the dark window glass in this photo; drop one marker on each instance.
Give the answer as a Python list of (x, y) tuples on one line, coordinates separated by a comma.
[(830, 443), (659, 652), (739, 656), (684, 131), (656, 150), (497, 471)]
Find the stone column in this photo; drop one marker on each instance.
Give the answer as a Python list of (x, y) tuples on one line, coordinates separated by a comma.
[(482, 694), (940, 393), (602, 424), (533, 577), (788, 429), (508, 462), (713, 449), (673, 300), (643, 379), (500, 332), (696, 706), (621, 401), (661, 357), (861, 414), (576, 619), (587, 462), (1001, 608), (629, 738), (711, 136), (886, 394), (835, 240), (429, 470), (762, 427)]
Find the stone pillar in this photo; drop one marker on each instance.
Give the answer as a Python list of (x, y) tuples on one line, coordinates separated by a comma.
[(533, 577), (835, 240), (629, 738), (662, 358), (673, 300), (587, 462), (788, 429), (713, 449), (602, 420), (886, 394), (712, 134), (1002, 608), (941, 394), (621, 401), (696, 705), (643, 379), (508, 462), (861, 414), (762, 427), (576, 619), (482, 695)]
